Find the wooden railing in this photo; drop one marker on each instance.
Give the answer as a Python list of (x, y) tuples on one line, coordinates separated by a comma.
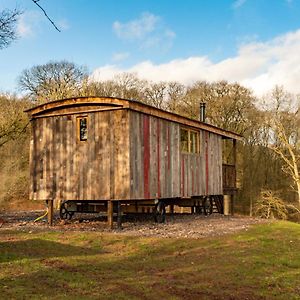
[(229, 176)]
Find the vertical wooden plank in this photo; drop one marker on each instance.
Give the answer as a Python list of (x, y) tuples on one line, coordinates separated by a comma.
[(140, 158), (47, 159), (153, 157), (207, 163), (96, 168), (51, 159), (176, 158), (72, 156), (63, 158), (137, 155), (164, 160), (77, 160), (133, 154), (43, 161), (183, 180), (91, 157), (112, 127), (95, 176), (220, 166), (104, 156), (121, 152), (146, 127), (59, 157), (158, 150), (54, 159), (169, 169), (97, 163)]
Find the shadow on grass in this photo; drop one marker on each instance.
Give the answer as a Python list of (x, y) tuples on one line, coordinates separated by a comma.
[(149, 268), (40, 249), (178, 269)]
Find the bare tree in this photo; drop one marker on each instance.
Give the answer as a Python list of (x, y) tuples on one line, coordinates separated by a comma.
[(124, 85), (53, 81), (284, 124), (13, 121), (8, 22)]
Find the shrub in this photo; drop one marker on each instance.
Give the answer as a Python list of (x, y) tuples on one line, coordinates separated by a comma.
[(270, 206)]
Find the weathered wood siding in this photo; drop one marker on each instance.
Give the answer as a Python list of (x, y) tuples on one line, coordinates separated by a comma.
[(158, 169), (64, 168), (128, 155)]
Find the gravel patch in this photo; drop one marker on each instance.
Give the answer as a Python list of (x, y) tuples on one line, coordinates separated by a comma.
[(176, 226)]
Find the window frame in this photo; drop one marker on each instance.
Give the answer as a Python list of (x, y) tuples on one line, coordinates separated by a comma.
[(190, 141), (79, 134)]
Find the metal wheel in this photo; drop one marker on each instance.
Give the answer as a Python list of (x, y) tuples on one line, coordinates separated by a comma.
[(64, 213), (208, 206), (160, 212)]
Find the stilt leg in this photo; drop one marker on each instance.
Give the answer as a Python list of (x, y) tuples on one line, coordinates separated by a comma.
[(172, 209), (50, 212), (119, 215), (110, 214)]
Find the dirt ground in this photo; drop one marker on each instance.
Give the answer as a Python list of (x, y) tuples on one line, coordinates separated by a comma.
[(177, 225)]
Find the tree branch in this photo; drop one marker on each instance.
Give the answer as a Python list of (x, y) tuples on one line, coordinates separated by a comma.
[(36, 3)]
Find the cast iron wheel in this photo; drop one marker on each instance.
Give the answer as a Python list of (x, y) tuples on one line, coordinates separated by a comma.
[(160, 212), (64, 213), (208, 207)]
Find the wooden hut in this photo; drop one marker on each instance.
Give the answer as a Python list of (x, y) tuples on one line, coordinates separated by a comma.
[(88, 153)]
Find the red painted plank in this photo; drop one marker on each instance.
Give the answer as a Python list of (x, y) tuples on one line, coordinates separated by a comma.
[(146, 126), (206, 161), (182, 176), (168, 145)]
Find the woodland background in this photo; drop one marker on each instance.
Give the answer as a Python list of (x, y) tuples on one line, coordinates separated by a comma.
[(268, 156)]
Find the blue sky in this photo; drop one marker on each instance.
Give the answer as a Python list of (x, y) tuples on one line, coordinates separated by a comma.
[(254, 42)]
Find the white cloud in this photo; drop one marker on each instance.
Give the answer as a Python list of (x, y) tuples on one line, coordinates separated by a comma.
[(24, 29), (238, 3), (149, 31), (121, 56), (136, 29), (27, 24), (259, 66)]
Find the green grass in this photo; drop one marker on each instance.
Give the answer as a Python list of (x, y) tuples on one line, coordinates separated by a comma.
[(261, 263)]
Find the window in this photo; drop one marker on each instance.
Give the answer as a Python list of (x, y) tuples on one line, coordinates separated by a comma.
[(189, 141), (194, 142), (184, 140), (82, 128)]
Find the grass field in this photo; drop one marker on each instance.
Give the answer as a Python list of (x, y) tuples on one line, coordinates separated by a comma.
[(261, 263)]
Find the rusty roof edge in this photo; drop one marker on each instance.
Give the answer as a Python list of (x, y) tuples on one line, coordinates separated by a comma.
[(131, 104), (180, 119)]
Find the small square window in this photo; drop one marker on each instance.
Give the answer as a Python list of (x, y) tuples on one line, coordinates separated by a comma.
[(82, 128), (189, 141)]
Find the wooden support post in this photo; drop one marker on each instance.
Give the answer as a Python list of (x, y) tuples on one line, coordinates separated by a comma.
[(227, 202), (171, 209), (50, 212), (232, 204), (119, 220), (110, 214), (192, 209)]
